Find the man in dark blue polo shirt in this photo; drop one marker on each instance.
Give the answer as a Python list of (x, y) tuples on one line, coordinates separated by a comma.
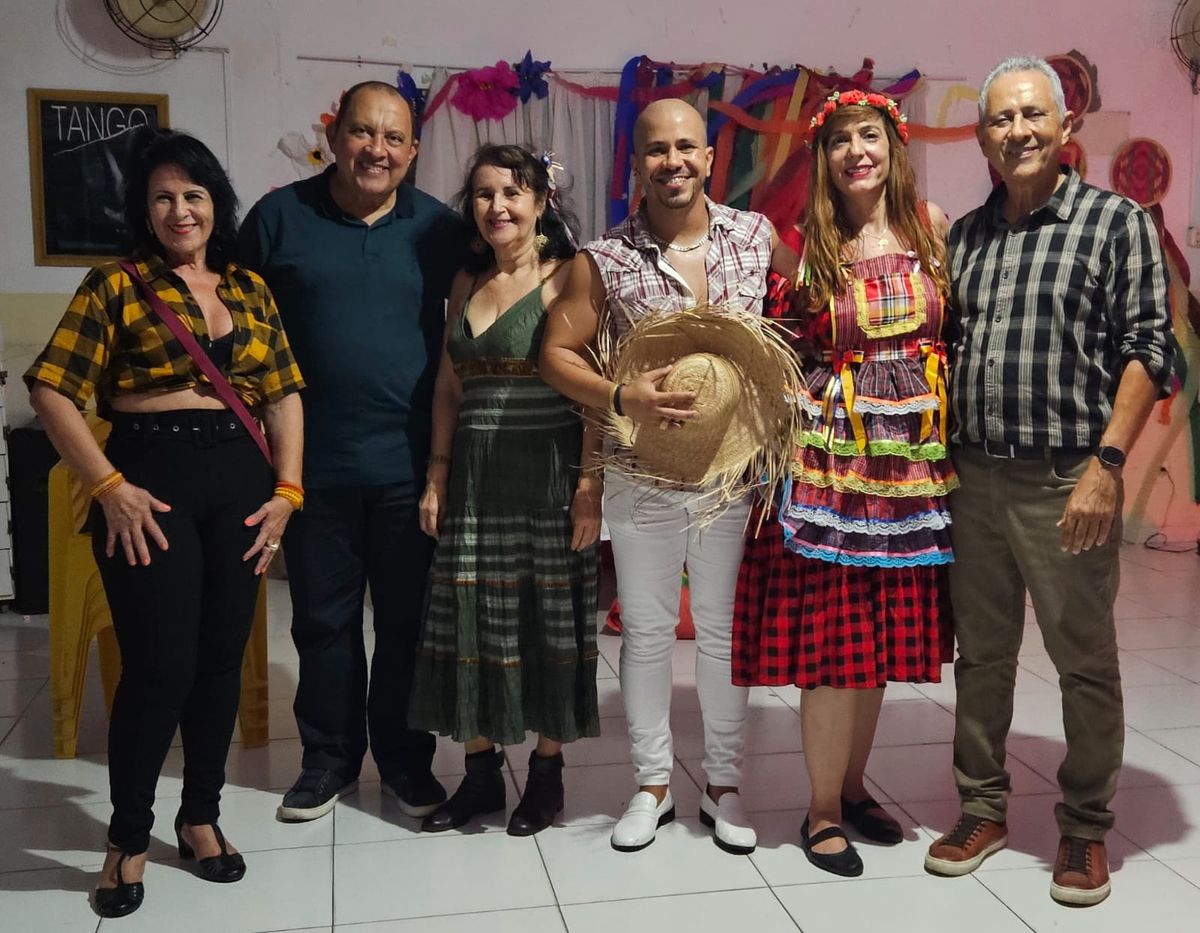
[(360, 265)]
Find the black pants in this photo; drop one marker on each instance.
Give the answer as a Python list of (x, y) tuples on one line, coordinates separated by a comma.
[(343, 541), (181, 622)]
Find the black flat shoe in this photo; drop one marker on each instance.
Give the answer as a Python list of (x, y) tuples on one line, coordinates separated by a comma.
[(882, 829), (845, 863), (221, 869), (122, 900)]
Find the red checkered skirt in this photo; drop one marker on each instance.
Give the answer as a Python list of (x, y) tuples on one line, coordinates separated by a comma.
[(814, 623)]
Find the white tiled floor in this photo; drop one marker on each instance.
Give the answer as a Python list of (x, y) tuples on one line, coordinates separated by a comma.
[(368, 869)]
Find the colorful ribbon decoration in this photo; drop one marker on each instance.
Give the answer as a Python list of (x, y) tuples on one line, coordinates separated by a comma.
[(935, 369), (844, 378)]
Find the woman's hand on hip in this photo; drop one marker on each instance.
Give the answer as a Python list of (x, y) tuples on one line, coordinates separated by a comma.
[(271, 519), (129, 513)]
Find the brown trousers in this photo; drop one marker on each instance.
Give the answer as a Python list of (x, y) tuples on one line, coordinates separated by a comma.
[(1006, 542)]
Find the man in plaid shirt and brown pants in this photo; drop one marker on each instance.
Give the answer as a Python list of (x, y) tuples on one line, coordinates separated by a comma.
[(1062, 345)]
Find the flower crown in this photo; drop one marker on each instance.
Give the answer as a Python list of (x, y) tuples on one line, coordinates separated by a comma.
[(862, 99)]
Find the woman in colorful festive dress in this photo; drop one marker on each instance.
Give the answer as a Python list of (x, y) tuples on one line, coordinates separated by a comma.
[(847, 591), (509, 642)]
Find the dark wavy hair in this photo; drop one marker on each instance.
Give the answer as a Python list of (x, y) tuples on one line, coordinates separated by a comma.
[(528, 171), (151, 150)]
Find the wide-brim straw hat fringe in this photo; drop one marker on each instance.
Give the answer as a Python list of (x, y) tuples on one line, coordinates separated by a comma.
[(745, 378)]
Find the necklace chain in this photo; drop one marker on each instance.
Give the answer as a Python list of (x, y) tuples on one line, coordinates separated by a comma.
[(682, 249), (880, 239)]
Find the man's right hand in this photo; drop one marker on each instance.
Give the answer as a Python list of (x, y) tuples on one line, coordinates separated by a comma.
[(641, 400)]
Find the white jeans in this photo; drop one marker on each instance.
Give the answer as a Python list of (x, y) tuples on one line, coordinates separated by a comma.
[(653, 535)]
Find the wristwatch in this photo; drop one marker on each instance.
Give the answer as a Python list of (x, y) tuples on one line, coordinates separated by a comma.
[(1113, 457)]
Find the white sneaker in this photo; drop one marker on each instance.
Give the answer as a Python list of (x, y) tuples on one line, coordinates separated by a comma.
[(731, 827), (635, 829)]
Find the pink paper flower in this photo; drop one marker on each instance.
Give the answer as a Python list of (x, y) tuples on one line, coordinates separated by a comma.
[(487, 93)]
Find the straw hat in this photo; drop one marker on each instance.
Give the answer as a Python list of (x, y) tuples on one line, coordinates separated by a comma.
[(743, 374)]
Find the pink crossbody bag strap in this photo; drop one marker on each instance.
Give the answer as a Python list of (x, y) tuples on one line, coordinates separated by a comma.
[(225, 392)]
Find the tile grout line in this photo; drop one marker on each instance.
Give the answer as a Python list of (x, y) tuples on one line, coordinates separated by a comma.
[(550, 880)]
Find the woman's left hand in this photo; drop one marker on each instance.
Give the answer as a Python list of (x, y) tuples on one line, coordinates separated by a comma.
[(586, 511), (271, 519)]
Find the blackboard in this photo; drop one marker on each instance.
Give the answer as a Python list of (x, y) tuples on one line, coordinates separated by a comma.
[(78, 144)]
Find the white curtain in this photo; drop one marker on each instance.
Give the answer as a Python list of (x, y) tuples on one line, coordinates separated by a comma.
[(576, 128)]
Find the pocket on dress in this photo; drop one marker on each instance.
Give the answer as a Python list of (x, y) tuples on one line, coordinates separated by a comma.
[(890, 305)]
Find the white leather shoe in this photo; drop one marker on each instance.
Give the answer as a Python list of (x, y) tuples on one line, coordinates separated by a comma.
[(635, 829), (731, 827)]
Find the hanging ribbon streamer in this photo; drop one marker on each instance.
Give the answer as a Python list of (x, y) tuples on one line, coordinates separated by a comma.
[(625, 117)]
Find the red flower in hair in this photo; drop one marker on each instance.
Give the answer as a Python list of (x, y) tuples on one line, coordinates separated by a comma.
[(855, 97)]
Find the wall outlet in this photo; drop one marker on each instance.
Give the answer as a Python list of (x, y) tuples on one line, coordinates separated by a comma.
[(1193, 237)]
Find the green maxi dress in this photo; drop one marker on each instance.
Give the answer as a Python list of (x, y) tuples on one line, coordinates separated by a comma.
[(509, 637)]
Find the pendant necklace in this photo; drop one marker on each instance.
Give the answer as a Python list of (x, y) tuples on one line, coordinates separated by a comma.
[(880, 239)]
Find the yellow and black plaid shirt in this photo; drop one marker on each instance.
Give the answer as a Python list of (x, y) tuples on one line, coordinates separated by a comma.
[(109, 343)]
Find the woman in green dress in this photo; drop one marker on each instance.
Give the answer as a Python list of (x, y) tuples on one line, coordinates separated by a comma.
[(513, 496)]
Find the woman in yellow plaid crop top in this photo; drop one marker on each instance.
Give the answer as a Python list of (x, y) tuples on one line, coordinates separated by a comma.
[(187, 513)]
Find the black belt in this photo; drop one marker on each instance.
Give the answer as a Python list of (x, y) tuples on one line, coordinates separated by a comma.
[(201, 426), (1017, 452)]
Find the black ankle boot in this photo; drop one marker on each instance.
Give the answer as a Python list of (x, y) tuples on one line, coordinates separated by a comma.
[(543, 796), (481, 791)]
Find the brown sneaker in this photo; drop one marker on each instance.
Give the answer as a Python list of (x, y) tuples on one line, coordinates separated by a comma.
[(1080, 872), (964, 848)]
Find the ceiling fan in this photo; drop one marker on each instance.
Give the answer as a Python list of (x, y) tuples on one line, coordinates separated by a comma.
[(165, 27)]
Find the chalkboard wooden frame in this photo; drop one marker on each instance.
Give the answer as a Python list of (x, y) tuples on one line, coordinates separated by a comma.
[(83, 231)]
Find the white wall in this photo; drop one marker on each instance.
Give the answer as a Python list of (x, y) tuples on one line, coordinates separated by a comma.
[(260, 90)]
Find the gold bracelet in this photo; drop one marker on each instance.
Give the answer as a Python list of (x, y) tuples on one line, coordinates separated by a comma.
[(439, 458), (288, 493), (103, 486), (612, 396)]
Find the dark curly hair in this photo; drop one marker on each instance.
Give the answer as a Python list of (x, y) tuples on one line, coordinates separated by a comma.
[(154, 148), (528, 171)]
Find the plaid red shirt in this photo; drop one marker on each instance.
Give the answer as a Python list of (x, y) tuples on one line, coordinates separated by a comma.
[(638, 280)]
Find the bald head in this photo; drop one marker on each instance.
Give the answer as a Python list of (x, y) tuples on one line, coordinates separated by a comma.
[(671, 155), (666, 119)]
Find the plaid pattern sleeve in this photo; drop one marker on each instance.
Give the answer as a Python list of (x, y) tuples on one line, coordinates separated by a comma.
[(1139, 287), (109, 343), (77, 356)]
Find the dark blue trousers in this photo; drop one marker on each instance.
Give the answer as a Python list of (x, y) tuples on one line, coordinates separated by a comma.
[(345, 540)]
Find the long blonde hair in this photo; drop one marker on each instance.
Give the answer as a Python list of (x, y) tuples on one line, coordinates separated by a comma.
[(827, 230)]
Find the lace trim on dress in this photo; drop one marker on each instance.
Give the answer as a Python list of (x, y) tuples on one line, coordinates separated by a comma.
[(826, 518), (927, 559), (853, 482), (849, 447)]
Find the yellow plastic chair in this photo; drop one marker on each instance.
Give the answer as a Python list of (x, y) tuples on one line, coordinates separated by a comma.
[(79, 612)]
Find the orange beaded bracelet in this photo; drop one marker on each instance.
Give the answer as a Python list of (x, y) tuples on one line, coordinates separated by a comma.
[(290, 493), (102, 487)]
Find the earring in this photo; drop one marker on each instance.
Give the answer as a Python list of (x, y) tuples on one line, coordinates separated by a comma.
[(478, 247), (540, 240)]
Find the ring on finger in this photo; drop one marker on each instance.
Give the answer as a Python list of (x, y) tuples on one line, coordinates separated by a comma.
[(271, 546)]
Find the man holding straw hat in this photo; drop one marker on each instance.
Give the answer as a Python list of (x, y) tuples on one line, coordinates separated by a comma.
[(694, 387)]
